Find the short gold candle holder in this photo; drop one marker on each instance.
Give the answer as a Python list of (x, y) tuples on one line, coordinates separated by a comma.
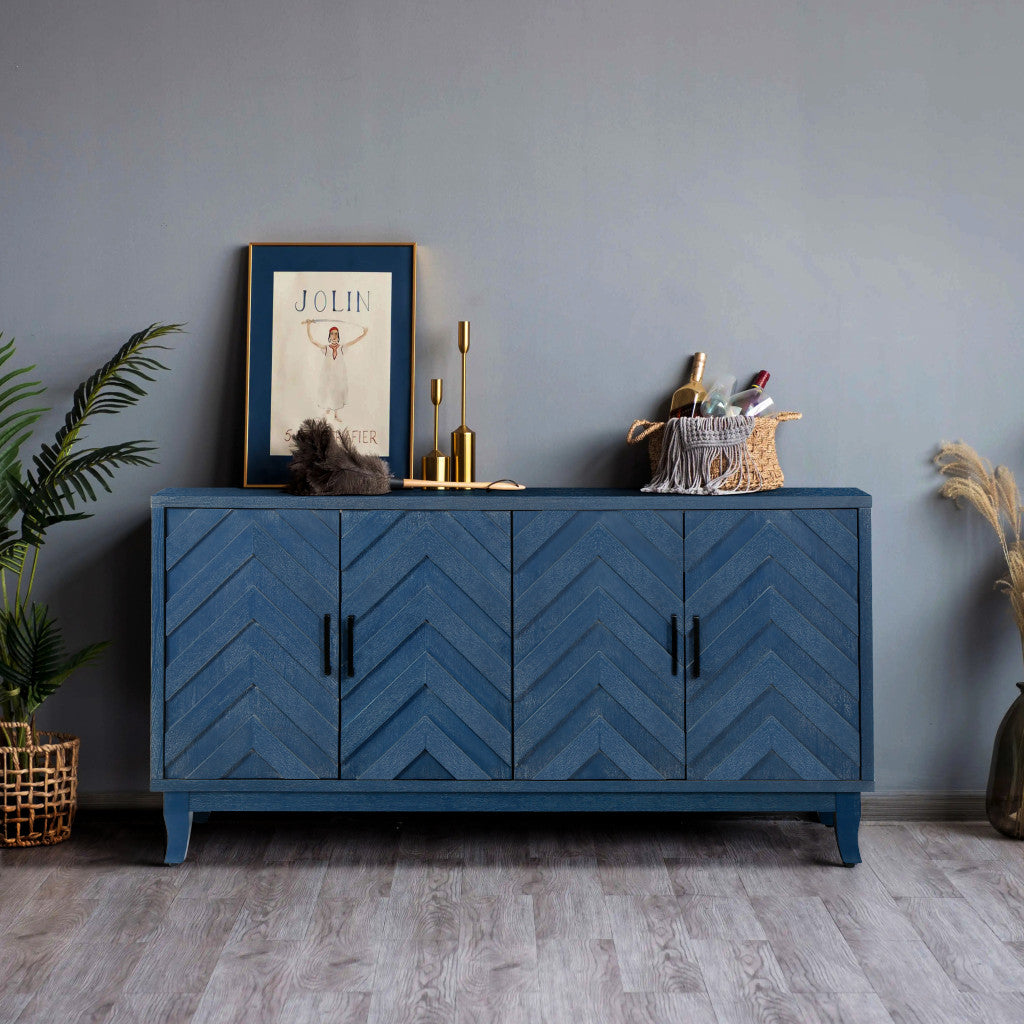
[(463, 439), (435, 464)]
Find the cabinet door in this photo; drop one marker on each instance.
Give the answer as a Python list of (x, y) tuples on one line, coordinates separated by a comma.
[(773, 679), (427, 692), (247, 694), (596, 694)]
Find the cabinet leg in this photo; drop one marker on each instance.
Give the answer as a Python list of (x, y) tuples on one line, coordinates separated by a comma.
[(827, 818), (178, 821), (847, 823)]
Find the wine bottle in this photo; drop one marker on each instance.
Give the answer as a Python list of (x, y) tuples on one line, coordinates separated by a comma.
[(717, 401), (687, 399), (758, 407), (753, 400)]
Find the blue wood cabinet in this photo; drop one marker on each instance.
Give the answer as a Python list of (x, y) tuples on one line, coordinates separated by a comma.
[(248, 594), (549, 650), (773, 673), (597, 597), (427, 689)]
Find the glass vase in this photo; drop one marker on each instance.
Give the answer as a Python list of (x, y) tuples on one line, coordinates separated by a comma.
[(1004, 799)]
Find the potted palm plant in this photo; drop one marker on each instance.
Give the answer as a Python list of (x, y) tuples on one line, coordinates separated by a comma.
[(39, 770)]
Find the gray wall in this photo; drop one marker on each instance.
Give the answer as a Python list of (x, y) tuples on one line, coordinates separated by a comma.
[(828, 189)]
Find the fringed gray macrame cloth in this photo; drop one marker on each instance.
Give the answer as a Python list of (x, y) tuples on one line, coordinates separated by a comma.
[(690, 447)]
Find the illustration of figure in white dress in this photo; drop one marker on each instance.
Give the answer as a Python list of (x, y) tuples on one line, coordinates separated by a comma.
[(332, 387)]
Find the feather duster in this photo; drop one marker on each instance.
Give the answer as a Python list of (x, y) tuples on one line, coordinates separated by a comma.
[(321, 464)]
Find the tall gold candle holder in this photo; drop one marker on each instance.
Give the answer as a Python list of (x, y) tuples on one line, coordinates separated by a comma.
[(463, 439), (436, 464)]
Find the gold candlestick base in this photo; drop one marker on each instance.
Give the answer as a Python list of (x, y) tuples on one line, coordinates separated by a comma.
[(463, 455), (435, 467)]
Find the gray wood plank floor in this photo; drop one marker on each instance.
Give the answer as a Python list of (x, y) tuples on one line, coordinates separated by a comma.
[(518, 920)]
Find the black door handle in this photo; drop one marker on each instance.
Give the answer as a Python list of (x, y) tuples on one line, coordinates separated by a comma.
[(351, 652), (696, 646), (327, 645), (675, 645)]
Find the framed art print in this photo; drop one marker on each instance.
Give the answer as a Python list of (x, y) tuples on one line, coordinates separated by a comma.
[(331, 335)]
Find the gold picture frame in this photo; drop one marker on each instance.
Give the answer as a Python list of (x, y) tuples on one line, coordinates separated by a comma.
[(322, 319)]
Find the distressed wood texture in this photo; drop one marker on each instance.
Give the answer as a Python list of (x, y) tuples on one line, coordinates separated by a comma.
[(245, 691), (773, 692), (428, 693), (595, 594), (475, 920)]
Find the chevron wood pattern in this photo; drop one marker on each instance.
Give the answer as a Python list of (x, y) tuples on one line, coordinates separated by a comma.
[(593, 599), (430, 697), (777, 696), (245, 692)]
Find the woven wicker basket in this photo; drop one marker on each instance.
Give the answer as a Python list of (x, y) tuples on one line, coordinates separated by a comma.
[(38, 788), (760, 444)]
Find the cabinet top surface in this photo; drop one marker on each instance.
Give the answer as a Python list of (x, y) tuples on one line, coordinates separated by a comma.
[(530, 499)]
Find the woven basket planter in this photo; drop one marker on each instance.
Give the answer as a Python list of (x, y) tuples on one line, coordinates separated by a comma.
[(38, 788), (760, 444)]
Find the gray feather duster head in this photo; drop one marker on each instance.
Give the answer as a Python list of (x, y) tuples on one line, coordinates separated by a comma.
[(323, 464)]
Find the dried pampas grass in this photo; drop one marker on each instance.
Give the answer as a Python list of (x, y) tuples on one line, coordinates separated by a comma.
[(994, 493)]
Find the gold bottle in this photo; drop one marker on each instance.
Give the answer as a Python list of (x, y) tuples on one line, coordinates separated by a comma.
[(463, 439), (686, 401), (436, 463)]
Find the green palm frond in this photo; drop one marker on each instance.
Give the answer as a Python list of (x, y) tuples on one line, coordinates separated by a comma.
[(60, 480), (13, 551), (113, 387), (44, 503), (53, 489), (33, 661), (15, 423), (12, 548)]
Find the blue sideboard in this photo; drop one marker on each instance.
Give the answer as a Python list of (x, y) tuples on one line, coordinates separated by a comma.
[(544, 650)]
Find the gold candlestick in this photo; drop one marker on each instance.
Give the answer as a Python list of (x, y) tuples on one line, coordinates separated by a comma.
[(436, 463), (463, 439)]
